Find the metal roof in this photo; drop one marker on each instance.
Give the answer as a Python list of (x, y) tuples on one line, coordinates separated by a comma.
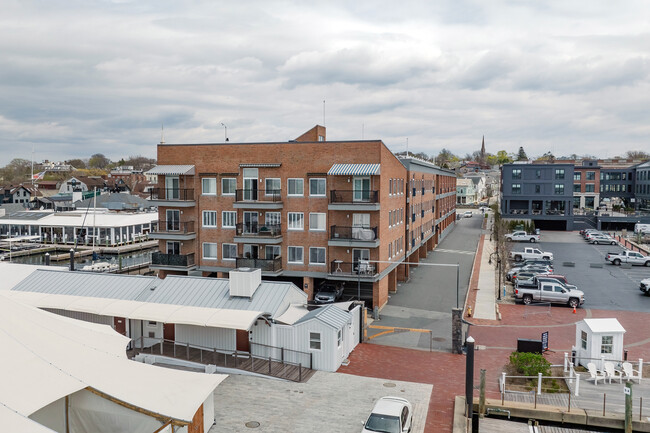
[(172, 170), (330, 315), (270, 297), (26, 215), (95, 285), (354, 170)]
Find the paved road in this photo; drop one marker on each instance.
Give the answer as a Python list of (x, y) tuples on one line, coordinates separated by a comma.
[(425, 302), (607, 288)]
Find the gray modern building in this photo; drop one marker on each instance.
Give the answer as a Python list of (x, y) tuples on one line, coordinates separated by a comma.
[(642, 187)]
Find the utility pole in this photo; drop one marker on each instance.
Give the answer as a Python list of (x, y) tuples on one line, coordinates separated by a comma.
[(469, 379)]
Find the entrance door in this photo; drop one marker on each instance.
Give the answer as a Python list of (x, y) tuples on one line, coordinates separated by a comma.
[(359, 254), (173, 220), (169, 331), (172, 185), (250, 184), (173, 247), (251, 251), (243, 345), (119, 323), (361, 188), (250, 222), (361, 220)]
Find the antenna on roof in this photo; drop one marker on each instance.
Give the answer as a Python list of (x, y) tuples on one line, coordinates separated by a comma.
[(162, 133), (324, 112)]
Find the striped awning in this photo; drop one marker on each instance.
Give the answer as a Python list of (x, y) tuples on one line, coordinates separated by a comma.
[(172, 170), (261, 165), (353, 170)]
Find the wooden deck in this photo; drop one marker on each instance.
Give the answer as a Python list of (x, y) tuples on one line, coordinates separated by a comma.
[(237, 360)]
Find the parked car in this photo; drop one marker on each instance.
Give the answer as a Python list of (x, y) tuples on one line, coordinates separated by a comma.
[(631, 257), (645, 286), (328, 292), (642, 228), (530, 253), (521, 236), (467, 214), (390, 415), (550, 291), (602, 239), (533, 282), (512, 273), (527, 277)]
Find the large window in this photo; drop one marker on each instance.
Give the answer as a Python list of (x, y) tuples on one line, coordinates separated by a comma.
[(607, 344), (209, 186), (296, 221), (209, 218), (317, 222), (516, 188), (590, 175), (590, 187), (272, 186), (228, 219), (576, 187), (294, 254), (559, 173), (559, 189), (583, 339), (209, 251), (538, 189), (228, 186), (229, 251), (516, 173), (316, 256), (577, 175), (314, 340), (295, 187), (272, 218), (317, 187), (271, 251)]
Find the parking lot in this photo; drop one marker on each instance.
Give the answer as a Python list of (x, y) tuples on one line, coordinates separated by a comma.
[(608, 287)]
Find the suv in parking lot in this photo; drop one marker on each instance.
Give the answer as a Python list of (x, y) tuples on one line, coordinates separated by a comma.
[(328, 292), (390, 415)]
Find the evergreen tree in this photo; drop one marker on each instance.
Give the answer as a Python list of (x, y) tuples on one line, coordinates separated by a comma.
[(521, 155)]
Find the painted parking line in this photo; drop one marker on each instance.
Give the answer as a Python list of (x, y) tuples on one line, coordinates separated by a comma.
[(441, 250), (394, 329)]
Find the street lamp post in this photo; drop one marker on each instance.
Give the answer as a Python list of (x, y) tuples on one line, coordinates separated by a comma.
[(469, 379), (225, 131)]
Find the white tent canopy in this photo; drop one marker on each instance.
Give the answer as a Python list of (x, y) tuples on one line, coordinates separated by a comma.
[(165, 313), (48, 357)]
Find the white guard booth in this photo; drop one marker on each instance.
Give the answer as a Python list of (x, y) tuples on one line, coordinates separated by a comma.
[(598, 340)]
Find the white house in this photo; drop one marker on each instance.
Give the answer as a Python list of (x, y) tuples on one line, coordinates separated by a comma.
[(465, 191), (597, 340)]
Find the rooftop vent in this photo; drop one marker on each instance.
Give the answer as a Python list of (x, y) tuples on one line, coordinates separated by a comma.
[(244, 281)]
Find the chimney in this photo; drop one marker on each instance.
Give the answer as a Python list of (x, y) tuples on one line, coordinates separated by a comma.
[(244, 281)]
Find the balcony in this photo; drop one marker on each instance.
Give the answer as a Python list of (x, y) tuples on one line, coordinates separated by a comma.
[(366, 237), (173, 262), (177, 197), (358, 200), (174, 230), (273, 266), (258, 233), (361, 269), (257, 199)]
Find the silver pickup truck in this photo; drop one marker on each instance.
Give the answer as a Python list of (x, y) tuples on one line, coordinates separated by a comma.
[(548, 291), (631, 257)]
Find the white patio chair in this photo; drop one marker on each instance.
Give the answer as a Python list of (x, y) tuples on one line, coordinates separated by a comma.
[(594, 374), (613, 373), (629, 372)]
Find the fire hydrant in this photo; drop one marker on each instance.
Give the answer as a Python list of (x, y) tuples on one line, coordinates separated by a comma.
[(469, 311)]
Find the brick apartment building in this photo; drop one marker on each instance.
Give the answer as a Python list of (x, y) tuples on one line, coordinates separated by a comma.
[(305, 210)]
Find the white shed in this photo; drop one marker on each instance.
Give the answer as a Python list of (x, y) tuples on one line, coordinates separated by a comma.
[(598, 339)]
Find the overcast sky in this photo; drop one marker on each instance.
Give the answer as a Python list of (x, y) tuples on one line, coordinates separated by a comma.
[(79, 77)]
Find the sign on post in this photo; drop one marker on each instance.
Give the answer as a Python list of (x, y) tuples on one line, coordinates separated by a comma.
[(627, 391), (545, 341)]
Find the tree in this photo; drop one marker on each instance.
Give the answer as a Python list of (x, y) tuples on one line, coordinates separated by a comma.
[(637, 154), (503, 158), (521, 155), (445, 157), (77, 163), (140, 162), (548, 156), (17, 171), (98, 160)]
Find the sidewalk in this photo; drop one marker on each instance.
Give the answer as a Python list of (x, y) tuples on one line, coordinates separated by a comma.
[(482, 290)]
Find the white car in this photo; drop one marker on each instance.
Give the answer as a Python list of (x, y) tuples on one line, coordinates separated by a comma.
[(390, 415), (467, 214)]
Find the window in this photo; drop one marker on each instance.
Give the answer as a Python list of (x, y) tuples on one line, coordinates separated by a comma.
[(272, 218), (271, 251), (516, 173), (339, 338), (390, 250), (559, 173), (296, 221), (317, 187), (607, 344), (390, 187), (538, 174), (209, 251), (583, 339), (314, 340), (590, 175), (577, 175), (538, 189), (209, 186), (228, 186), (590, 187), (228, 219), (576, 187), (272, 186), (559, 189), (317, 221), (209, 218), (295, 187), (228, 251), (316, 256), (294, 254), (516, 188), (150, 323)]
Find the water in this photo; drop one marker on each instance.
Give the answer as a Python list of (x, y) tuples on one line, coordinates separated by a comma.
[(128, 259)]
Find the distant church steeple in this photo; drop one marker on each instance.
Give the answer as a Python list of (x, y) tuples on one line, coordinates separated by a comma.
[(483, 155)]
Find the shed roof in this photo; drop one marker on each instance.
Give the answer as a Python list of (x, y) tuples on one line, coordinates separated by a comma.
[(604, 325), (14, 273), (329, 315)]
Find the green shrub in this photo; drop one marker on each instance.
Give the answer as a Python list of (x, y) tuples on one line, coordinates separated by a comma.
[(530, 364)]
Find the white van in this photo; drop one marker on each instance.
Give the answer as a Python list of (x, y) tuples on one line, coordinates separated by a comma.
[(642, 228)]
